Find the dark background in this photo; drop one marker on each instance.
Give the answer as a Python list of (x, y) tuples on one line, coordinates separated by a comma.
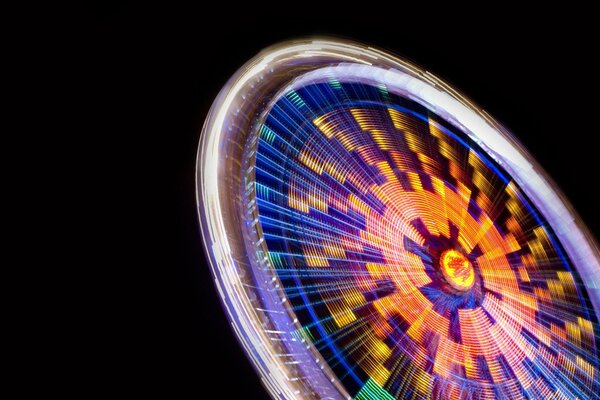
[(154, 73)]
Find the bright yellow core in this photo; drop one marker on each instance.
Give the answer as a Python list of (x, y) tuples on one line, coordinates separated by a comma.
[(457, 270)]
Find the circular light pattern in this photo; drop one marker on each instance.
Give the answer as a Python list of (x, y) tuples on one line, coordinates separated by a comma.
[(374, 235)]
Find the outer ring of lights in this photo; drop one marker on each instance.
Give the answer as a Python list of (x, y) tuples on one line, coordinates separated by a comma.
[(233, 243)]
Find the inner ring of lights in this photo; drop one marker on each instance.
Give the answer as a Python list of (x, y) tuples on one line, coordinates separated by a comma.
[(422, 301), (361, 194)]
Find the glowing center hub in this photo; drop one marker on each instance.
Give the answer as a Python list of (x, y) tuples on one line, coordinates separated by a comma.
[(457, 270)]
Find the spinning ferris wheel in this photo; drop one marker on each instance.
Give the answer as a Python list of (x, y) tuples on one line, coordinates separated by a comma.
[(375, 235)]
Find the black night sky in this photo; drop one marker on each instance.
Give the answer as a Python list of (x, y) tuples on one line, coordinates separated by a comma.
[(156, 71)]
